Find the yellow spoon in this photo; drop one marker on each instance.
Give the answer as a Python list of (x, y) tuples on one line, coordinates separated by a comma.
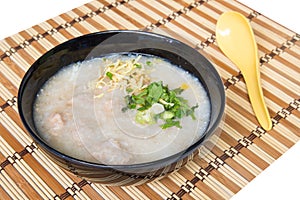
[(235, 38)]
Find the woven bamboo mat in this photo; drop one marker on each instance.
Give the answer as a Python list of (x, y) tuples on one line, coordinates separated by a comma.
[(240, 153)]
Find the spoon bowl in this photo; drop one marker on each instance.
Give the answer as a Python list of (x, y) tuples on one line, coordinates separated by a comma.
[(235, 38)]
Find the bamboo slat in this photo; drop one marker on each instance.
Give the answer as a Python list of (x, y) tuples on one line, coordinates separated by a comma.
[(225, 164)]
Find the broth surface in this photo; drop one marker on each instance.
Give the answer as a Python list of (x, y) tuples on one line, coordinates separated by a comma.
[(90, 123)]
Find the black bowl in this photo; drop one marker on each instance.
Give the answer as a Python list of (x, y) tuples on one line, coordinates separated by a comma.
[(87, 47)]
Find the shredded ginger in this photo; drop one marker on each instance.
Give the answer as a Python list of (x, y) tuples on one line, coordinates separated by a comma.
[(124, 74)]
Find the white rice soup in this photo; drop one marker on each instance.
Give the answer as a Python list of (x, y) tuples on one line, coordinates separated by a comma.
[(93, 111)]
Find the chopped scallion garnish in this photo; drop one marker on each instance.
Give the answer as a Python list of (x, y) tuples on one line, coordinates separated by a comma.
[(109, 75), (175, 107)]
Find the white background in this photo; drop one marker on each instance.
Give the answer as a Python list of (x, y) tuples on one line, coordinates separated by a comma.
[(281, 179)]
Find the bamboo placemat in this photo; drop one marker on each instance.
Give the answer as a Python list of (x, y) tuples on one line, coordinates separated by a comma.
[(242, 150)]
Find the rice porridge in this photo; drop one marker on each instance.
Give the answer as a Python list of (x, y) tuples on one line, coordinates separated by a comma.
[(122, 109)]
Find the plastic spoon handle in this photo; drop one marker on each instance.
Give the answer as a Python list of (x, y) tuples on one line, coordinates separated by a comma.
[(256, 97)]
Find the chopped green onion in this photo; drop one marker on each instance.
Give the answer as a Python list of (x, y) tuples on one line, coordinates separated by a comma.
[(171, 123), (109, 75), (148, 63), (138, 65), (174, 107)]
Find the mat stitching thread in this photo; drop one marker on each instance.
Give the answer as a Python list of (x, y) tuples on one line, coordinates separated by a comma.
[(9, 103), (78, 19), (263, 59), (235, 150), (76, 187), (271, 55), (17, 156), (214, 164), (10, 160), (198, 176), (172, 16), (54, 30), (211, 40), (266, 58)]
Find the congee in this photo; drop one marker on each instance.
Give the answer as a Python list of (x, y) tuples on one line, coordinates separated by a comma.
[(122, 109)]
